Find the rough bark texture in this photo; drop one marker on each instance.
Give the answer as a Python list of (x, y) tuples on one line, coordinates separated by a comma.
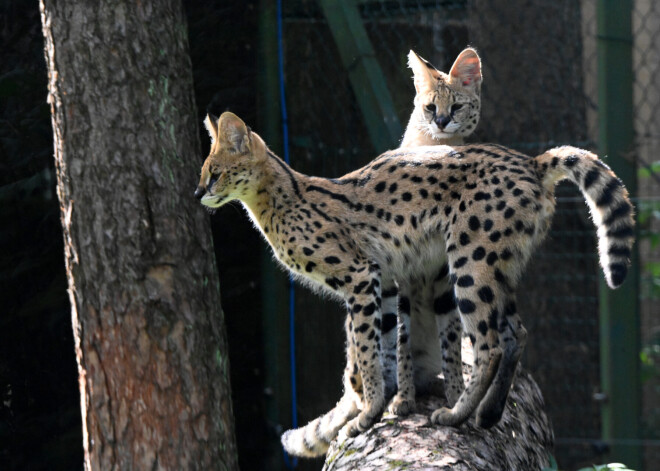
[(523, 440), (148, 327)]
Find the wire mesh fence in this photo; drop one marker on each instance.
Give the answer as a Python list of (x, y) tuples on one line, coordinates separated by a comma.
[(540, 90), (646, 98)]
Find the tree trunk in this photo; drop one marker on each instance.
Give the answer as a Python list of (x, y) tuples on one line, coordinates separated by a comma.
[(149, 331), (523, 439)]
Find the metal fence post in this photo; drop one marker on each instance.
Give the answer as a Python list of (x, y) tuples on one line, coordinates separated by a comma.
[(364, 72), (619, 310)]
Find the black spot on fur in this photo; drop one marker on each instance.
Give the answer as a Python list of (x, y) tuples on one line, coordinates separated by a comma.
[(464, 238), (360, 286), (483, 327), (486, 294), (369, 309), (478, 253), (444, 303), (466, 306), (570, 161), (389, 322), (404, 305), (460, 262), (465, 281), (362, 328)]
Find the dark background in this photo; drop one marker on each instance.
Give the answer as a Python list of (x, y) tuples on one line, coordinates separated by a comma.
[(538, 67)]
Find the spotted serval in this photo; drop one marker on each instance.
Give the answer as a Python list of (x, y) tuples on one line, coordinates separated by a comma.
[(479, 209), (446, 109)]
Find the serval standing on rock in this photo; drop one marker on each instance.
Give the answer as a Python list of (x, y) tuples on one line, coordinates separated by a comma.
[(479, 210)]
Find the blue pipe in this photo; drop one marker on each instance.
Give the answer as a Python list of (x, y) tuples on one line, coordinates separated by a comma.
[(290, 462)]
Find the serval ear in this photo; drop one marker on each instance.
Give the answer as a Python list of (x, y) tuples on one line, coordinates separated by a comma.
[(466, 70), (211, 124), (234, 132), (425, 76)]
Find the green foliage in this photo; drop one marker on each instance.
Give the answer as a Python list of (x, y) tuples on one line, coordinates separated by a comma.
[(650, 358), (646, 172), (648, 217)]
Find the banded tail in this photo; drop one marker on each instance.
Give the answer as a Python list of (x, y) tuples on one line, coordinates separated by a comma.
[(608, 203), (314, 439)]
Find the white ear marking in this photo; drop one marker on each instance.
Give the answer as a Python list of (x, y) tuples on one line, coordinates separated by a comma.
[(423, 72), (211, 124)]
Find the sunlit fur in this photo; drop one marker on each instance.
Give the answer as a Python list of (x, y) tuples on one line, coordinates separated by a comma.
[(477, 212)]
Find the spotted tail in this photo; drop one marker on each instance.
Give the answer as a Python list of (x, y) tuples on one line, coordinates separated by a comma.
[(607, 199), (314, 438)]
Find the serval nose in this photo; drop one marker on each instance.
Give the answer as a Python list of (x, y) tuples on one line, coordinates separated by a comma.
[(442, 120), (199, 192)]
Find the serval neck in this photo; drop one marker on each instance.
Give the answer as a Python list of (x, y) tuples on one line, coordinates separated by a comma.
[(278, 199)]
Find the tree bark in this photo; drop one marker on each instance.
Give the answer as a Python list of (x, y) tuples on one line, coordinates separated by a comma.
[(149, 330), (522, 440)]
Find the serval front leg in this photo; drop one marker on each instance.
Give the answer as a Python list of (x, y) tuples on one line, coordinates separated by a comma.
[(364, 302)]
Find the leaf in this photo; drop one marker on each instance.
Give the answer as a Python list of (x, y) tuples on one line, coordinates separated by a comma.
[(646, 171)]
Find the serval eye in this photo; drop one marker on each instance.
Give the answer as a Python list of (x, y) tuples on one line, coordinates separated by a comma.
[(214, 178), (455, 107), (430, 108)]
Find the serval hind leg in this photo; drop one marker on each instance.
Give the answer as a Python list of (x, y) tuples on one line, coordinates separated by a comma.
[(513, 339)]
